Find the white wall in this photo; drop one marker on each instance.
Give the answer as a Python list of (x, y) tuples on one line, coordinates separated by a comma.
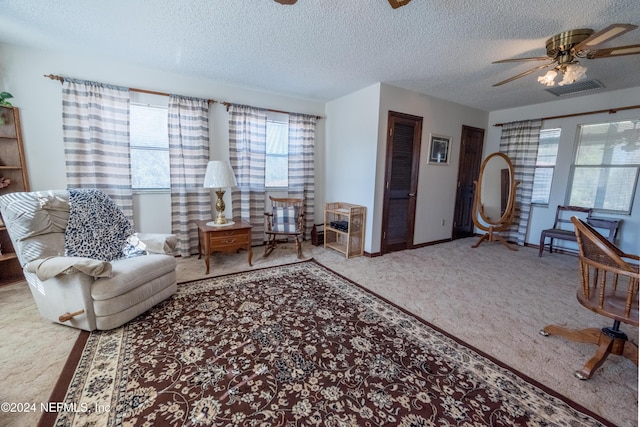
[(356, 150), (350, 167), (39, 100), (351, 150), (542, 216), (436, 183)]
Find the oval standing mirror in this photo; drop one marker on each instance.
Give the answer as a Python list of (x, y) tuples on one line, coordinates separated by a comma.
[(494, 184), (494, 198)]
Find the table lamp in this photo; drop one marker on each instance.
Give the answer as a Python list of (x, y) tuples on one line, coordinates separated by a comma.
[(219, 175)]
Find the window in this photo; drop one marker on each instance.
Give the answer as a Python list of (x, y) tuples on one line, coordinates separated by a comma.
[(606, 164), (277, 155), (149, 147), (545, 165)]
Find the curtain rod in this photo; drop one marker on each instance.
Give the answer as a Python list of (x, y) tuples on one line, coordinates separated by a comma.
[(610, 111), (229, 104), (211, 101), (132, 89)]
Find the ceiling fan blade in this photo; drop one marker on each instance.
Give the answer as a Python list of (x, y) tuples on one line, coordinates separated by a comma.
[(286, 1), (398, 3), (536, 58), (603, 36), (526, 73), (632, 49)]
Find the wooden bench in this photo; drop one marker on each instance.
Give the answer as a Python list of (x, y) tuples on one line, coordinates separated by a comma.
[(563, 228), (610, 224)]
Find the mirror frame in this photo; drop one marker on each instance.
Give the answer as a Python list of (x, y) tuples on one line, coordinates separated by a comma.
[(478, 216), (508, 211)]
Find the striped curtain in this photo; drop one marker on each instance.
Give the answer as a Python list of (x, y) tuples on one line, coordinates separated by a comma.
[(247, 149), (302, 130), (519, 141), (95, 125), (188, 156)]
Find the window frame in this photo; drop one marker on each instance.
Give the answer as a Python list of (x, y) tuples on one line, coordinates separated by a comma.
[(132, 147), (280, 118), (574, 167), (552, 167)]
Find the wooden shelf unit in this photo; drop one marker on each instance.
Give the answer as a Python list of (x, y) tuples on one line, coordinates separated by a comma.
[(13, 167), (349, 242)]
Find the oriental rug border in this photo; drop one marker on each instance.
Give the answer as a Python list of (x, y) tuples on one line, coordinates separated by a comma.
[(388, 374)]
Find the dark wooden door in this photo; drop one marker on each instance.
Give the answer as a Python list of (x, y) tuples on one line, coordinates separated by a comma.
[(472, 141), (404, 136)]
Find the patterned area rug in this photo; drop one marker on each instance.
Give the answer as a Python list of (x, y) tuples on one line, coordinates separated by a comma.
[(290, 346)]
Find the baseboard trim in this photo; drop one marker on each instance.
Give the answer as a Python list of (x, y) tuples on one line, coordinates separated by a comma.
[(435, 242), (419, 245)]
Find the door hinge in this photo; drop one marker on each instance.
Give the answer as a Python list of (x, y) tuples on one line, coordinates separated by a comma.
[(390, 131)]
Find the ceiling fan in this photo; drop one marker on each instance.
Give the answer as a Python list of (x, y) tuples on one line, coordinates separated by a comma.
[(564, 49), (394, 3)]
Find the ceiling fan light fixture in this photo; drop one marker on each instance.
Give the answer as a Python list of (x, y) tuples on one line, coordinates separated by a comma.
[(549, 78), (573, 73), (565, 48)]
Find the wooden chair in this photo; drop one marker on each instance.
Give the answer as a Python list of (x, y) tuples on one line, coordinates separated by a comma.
[(609, 225), (562, 228), (286, 219), (609, 286)]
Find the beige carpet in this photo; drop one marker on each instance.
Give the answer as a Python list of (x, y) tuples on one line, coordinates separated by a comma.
[(492, 298)]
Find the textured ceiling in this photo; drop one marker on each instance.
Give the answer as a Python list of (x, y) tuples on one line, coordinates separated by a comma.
[(323, 49)]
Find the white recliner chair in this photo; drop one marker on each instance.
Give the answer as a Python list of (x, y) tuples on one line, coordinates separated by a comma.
[(83, 263)]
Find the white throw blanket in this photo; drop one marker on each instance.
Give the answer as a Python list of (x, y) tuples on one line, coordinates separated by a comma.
[(46, 268)]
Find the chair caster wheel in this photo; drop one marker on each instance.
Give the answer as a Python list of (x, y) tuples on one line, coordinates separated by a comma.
[(580, 376)]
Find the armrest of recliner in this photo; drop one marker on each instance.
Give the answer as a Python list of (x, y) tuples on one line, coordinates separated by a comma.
[(46, 268), (155, 243)]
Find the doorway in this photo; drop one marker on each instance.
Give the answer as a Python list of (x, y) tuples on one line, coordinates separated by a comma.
[(472, 141), (404, 136)]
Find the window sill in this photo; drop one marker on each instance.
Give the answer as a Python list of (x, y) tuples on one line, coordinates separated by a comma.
[(151, 191)]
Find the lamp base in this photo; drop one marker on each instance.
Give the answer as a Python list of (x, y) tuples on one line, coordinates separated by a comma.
[(220, 219)]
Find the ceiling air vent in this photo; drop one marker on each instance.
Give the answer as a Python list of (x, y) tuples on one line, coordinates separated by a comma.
[(583, 86)]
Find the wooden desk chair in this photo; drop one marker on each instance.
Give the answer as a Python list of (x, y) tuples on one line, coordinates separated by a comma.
[(286, 219), (609, 286), (562, 228)]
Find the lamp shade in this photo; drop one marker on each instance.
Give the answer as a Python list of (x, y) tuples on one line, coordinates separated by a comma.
[(219, 175)]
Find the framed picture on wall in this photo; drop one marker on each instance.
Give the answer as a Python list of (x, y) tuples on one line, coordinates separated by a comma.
[(439, 150)]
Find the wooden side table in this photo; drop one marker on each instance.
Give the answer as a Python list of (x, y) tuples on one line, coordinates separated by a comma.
[(228, 238)]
